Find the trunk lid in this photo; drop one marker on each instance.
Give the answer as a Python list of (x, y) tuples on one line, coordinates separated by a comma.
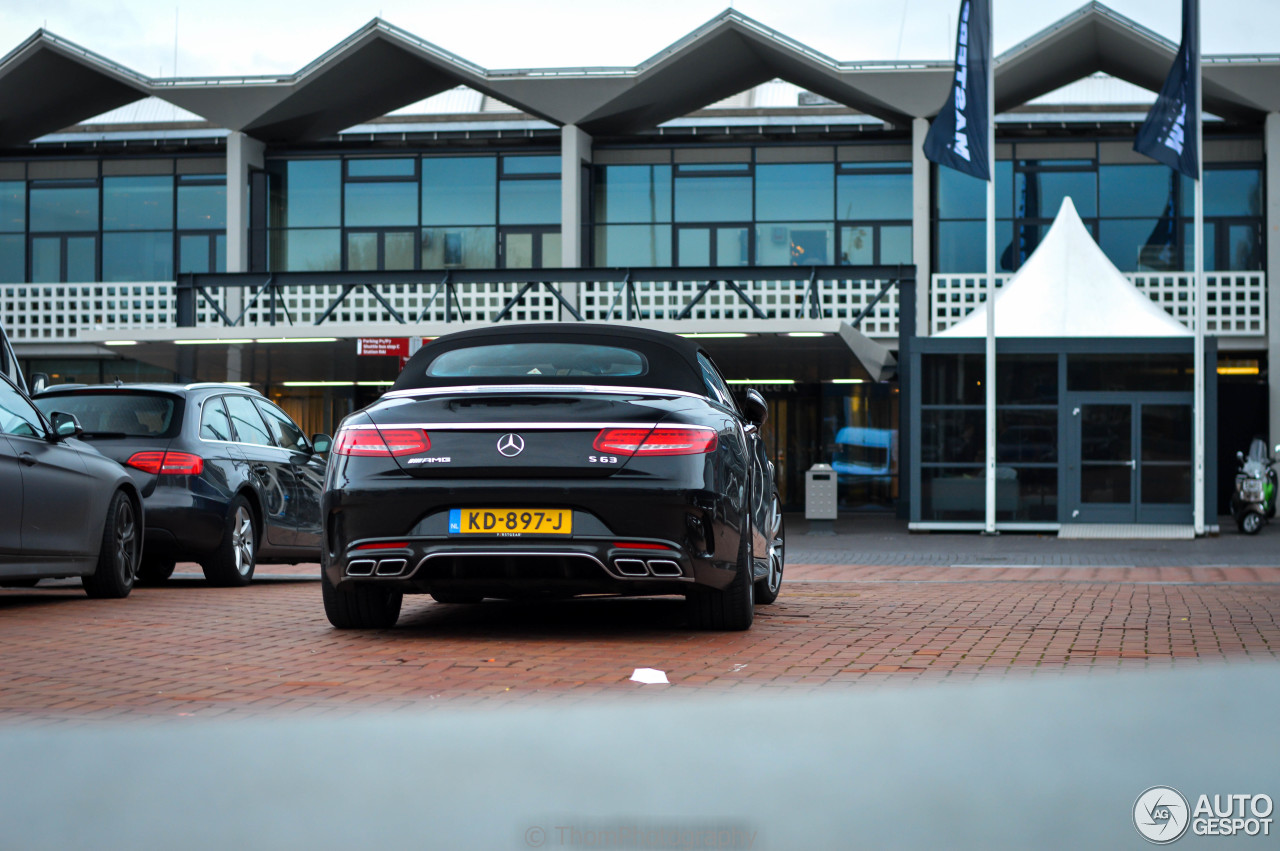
[(537, 434)]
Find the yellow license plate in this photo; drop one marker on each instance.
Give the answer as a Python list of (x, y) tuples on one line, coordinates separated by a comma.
[(505, 522)]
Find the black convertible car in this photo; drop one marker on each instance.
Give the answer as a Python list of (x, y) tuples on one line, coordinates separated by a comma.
[(552, 461)]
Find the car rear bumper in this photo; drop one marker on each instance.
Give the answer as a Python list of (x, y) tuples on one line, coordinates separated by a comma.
[(180, 523), (625, 541)]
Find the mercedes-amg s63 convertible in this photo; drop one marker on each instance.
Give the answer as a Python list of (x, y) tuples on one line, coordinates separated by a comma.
[(553, 461)]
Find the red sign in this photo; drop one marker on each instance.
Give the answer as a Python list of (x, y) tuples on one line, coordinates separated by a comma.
[(386, 346)]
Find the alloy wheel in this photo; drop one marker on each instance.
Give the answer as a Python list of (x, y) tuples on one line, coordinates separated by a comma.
[(242, 540), (126, 542)]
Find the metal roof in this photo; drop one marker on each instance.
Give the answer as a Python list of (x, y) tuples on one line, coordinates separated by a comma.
[(48, 83)]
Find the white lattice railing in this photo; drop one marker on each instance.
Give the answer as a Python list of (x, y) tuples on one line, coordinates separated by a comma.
[(1236, 301), (39, 312), (1237, 305)]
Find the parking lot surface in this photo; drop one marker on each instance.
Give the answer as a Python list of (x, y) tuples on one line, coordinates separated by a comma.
[(192, 651)]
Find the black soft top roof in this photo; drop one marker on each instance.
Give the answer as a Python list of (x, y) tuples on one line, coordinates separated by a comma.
[(672, 360)]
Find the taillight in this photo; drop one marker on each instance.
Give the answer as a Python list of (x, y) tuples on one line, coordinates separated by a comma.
[(381, 441), (167, 463), (664, 440)]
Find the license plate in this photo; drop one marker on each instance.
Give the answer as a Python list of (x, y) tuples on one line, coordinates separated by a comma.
[(507, 522)]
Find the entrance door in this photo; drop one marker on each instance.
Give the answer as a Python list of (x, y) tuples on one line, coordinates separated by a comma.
[(1129, 461), (529, 248)]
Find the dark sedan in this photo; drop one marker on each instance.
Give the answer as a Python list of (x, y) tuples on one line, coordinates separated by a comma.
[(553, 461), (64, 509), (227, 478)]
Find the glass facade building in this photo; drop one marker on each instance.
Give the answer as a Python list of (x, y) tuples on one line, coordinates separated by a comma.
[(754, 207), (1140, 212), (361, 213), (97, 224)]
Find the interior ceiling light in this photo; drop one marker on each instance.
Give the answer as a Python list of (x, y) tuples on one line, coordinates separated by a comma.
[(297, 340), (235, 342)]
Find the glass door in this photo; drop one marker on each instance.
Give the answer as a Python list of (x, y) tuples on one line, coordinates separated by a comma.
[(1107, 463), (529, 248), (1130, 462)]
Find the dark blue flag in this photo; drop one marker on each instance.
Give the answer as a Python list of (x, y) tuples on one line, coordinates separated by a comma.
[(958, 136), (1169, 133)]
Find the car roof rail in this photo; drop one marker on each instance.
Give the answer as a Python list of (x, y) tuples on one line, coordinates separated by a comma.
[(222, 384)]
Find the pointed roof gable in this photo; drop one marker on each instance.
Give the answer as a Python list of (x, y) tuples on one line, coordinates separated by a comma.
[(1096, 38), (1068, 288), (48, 83)]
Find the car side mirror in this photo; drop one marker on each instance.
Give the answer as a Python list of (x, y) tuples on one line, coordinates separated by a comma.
[(65, 425), (754, 408), (321, 444), (39, 381)]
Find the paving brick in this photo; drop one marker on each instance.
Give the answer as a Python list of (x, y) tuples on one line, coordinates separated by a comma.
[(190, 651)]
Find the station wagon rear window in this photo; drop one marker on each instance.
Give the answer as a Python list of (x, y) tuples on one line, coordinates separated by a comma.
[(511, 360), (115, 413)]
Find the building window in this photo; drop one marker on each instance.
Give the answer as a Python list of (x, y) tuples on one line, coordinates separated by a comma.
[(1140, 214)]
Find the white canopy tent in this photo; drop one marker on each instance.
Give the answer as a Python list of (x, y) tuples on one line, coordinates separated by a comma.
[(1068, 288)]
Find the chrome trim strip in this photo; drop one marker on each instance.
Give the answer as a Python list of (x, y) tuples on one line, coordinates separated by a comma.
[(613, 390), (520, 426)]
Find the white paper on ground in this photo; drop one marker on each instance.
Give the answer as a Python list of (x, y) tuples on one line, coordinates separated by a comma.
[(649, 676)]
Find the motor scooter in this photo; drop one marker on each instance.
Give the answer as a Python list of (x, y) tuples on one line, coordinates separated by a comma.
[(1254, 500)]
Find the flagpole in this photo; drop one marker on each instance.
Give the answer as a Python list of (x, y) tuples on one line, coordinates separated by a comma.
[(990, 383), (1200, 297)]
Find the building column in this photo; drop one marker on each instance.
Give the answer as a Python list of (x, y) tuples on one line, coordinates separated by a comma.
[(243, 153), (920, 225), (575, 152), (1272, 230)]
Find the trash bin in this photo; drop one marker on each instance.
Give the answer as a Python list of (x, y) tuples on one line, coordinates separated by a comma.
[(820, 499)]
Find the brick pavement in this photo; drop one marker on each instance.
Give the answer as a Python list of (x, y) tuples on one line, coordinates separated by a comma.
[(190, 651)]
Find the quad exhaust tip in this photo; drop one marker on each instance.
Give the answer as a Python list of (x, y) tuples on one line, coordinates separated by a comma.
[(652, 567), (368, 567)]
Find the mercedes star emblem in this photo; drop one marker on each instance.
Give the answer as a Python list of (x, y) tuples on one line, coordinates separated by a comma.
[(511, 445)]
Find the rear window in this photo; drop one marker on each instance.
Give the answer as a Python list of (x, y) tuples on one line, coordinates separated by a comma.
[(115, 413), (538, 359)]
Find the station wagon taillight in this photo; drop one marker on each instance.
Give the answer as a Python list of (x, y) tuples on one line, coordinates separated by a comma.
[(664, 440), (381, 441), (167, 463)]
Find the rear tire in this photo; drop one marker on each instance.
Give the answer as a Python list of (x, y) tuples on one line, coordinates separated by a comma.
[(734, 608), (767, 589), (360, 605), (119, 552), (232, 563), (155, 571)]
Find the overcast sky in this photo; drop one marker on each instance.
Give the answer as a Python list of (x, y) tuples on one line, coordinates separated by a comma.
[(232, 37)]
